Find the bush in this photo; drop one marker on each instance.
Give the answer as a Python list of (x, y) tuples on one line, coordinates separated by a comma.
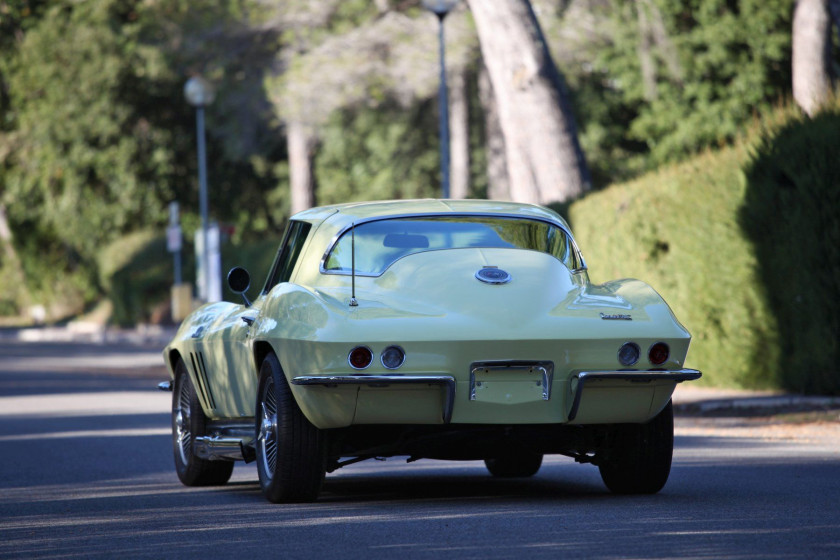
[(137, 275), (744, 244), (790, 212), (137, 272), (677, 230)]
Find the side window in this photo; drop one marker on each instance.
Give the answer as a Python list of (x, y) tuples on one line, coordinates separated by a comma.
[(288, 255)]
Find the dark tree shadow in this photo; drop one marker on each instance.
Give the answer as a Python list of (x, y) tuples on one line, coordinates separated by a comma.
[(790, 213)]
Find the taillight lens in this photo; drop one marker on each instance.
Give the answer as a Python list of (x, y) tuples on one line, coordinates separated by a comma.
[(629, 353), (658, 353), (360, 357), (392, 357)]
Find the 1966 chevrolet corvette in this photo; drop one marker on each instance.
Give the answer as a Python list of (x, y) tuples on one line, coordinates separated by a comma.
[(462, 330)]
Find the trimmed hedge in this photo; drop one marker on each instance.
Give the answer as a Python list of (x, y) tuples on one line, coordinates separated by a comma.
[(791, 212), (677, 230), (137, 272), (744, 244)]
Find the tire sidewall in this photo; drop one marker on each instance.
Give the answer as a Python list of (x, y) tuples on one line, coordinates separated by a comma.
[(301, 457), (194, 471), (269, 371)]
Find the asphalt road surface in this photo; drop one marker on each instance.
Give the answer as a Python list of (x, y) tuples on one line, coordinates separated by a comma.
[(86, 471)]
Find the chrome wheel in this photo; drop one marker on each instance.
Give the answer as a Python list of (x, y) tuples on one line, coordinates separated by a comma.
[(267, 436), (291, 452), (181, 421), (188, 423)]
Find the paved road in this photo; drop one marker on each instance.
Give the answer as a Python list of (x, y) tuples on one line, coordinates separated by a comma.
[(86, 471)]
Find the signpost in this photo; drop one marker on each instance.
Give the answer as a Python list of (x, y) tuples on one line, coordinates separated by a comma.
[(181, 293)]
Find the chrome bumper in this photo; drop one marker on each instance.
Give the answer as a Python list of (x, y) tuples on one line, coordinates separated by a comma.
[(582, 377), (447, 381)]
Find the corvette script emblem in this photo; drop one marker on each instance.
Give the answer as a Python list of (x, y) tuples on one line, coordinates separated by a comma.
[(617, 317)]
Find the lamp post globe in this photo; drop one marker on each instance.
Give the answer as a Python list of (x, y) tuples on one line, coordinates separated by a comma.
[(440, 7), (200, 93)]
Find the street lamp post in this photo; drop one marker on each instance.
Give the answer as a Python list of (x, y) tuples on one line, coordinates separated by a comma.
[(441, 8), (199, 93)]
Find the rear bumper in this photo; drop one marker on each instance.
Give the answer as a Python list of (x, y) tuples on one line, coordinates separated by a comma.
[(514, 394), (447, 381), (586, 382)]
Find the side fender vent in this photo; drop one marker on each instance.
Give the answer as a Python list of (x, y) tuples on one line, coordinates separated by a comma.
[(200, 370)]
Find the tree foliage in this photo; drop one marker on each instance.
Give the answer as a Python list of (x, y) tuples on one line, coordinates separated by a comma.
[(721, 63), (98, 138), (381, 153)]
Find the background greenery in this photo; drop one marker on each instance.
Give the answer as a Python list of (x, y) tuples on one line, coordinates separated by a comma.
[(708, 186)]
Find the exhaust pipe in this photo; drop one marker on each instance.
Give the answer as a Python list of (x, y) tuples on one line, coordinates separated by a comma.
[(216, 448)]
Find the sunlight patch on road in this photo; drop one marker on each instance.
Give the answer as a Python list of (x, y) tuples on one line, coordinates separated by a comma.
[(89, 434), (86, 404), (102, 361)]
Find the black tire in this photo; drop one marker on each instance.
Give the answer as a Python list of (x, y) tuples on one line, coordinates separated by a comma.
[(189, 422), (639, 461), (514, 466), (291, 455)]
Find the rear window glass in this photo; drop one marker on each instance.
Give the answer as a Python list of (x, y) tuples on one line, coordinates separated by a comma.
[(380, 243)]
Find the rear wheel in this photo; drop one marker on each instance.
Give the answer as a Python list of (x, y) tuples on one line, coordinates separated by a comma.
[(512, 466), (291, 454), (639, 461), (189, 422)]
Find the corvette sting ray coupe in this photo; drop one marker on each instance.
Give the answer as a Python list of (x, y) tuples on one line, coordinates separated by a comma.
[(441, 329)]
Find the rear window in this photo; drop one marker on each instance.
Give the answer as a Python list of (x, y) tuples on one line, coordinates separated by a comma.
[(380, 243)]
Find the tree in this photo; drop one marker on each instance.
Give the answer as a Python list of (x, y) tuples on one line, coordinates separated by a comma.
[(459, 146), (812, 78), (358, 56), (717, 64), (544, 160), (97, 138), (301, 141)]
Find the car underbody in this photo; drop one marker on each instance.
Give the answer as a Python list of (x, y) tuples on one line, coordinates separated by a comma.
[(234, 440)]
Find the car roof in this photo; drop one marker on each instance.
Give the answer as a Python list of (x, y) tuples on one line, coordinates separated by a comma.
[(341, 215)]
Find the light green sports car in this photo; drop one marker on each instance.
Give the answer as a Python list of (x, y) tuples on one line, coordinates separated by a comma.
[(462, 330)]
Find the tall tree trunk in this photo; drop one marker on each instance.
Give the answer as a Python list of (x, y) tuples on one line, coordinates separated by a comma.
[(646, 54), (459, 148), (652, 32), (544, 159), (811, 54), (15, 287), (301, 143), (498, 187), (666, 48)]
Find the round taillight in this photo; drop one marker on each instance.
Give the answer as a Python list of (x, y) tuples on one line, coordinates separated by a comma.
[(629, 354), (658, 353), (360, 357), (392, 357)]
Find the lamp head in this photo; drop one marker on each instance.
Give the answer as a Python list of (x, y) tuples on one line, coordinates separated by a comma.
[(440, 7), (199, 92)]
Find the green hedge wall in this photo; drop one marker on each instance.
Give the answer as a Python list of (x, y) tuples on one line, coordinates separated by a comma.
[(791, 212), (744, 244)]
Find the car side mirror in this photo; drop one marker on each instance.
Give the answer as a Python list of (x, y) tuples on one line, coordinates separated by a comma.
[(239, 281)]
